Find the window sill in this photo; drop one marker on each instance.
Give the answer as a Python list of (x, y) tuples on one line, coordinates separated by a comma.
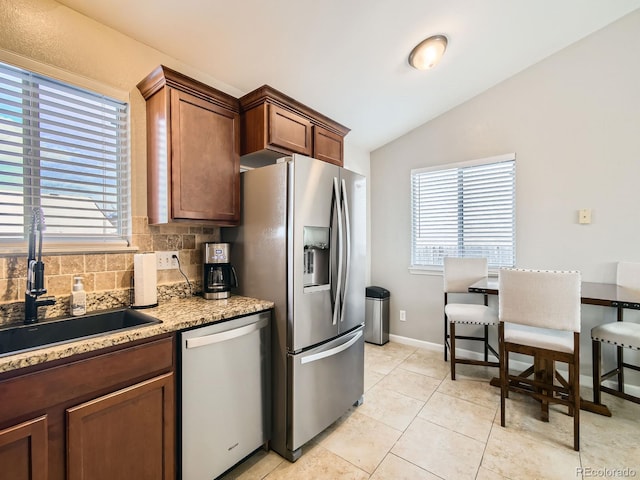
[(438, 271), (434, 270), (67, 249)]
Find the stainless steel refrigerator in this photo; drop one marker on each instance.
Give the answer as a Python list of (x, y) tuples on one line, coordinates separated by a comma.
[(302, 244)]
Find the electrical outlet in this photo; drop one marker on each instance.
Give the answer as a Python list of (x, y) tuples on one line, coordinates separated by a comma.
[(165, 260), (403, 315)]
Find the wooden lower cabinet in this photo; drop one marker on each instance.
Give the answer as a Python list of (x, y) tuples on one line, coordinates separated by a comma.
[(23, 451), (126, 434), (103, 415)]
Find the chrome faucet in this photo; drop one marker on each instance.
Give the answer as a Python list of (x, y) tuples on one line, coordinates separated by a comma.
[(35, 271)]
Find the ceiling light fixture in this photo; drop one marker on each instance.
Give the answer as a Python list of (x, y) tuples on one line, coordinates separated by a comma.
[(427, 54)]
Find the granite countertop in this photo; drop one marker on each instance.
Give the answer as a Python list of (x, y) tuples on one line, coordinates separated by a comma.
[(176, 314)]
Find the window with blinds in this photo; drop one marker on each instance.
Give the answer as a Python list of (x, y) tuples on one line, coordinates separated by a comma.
[(65, 150), (465, 210)]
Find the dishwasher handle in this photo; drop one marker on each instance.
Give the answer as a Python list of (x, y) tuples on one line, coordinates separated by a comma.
[(227, 335)]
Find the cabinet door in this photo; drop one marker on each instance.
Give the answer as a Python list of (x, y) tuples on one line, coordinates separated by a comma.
[(23, 451), (327, 146), (127, 434), (288, 130), (205, 162)]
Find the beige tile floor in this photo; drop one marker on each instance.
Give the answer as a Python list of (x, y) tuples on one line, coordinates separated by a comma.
[(415, 423)]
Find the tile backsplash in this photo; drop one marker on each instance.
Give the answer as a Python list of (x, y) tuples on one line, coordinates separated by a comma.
[(107, 276)]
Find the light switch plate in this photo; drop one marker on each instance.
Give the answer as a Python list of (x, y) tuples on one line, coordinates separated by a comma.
[(165, 260), (584, 216)]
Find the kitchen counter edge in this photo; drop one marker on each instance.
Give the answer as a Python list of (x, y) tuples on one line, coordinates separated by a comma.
[(176, 314)]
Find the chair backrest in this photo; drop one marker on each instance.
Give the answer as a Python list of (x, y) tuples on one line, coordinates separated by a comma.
[(545, 299), (628, 275), (459, 273)]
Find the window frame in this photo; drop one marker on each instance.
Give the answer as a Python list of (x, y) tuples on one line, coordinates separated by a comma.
[(434, 269), (65, 245)]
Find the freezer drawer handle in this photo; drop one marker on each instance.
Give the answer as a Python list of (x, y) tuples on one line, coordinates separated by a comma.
[(228, 335), (333, 351)]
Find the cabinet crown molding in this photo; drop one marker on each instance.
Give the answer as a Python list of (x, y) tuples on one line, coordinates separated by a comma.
[(269, 94), (164, 76)]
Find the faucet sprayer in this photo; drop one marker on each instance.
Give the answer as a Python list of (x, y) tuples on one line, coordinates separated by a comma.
[(35, 270)]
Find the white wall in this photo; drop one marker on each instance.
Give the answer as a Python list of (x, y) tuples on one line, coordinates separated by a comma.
[(574, 122), (358, 160)]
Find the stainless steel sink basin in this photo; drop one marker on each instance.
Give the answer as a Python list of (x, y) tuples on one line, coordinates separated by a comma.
[(52, 332)]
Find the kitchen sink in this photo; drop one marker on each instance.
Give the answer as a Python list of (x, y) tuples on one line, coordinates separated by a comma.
[(62, 330)]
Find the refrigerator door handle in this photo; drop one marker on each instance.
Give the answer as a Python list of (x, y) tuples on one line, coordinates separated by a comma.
[(333, 351), (347, 224), (337, 308)]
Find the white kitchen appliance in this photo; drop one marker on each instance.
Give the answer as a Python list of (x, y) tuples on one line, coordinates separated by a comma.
[(302, 245)]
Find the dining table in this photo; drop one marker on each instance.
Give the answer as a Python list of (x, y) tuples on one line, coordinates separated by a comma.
[(591, 293)]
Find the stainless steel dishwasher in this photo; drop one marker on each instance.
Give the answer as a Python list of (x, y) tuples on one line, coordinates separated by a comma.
[(224, 394)]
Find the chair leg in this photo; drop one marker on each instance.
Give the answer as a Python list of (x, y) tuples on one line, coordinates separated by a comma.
[(446, 338), (575, 390), (452, 342), (595, 360), (620, 360), (620, 356), (576, 424), (572, 372), (486, 343), (503, 375)]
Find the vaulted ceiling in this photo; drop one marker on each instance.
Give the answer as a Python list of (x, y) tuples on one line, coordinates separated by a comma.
[(348, 58)]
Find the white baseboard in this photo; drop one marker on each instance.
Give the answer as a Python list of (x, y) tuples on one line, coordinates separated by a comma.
[(586, 380), (412, 342)]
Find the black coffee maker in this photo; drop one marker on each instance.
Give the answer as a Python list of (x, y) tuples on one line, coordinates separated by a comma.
[(218, 276)]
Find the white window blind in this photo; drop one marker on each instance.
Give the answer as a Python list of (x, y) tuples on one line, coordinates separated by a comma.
[(66, 150), (464, 211)]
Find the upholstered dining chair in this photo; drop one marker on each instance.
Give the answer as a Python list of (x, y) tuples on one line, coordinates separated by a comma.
[(621, 334), (539, 315), (459, 274)]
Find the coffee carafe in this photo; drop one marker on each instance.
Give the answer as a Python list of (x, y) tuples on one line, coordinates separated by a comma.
[(218, 275)]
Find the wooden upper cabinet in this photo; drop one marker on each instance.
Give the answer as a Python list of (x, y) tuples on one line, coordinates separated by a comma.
[(274, 122), (193, 151), (328, 146), (289, 131)]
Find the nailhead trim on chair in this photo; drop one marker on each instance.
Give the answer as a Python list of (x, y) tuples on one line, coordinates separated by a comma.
[(462, 322), (539, 271), (621, 334), (611, 342)]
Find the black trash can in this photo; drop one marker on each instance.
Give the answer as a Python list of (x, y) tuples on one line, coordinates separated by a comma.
[(376, 318)]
